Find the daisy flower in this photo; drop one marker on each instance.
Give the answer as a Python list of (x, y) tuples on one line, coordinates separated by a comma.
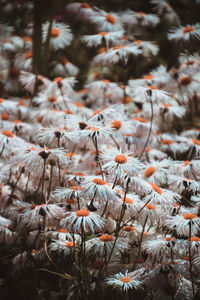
[(189, 84), (63, 67), (181, 183), (6, 231), (119, 163), (157, 171), (59, 234), (123, 281), (61, 35), (23, 61), (168, 112), (53, 136), (180, 223), (103, 244), (185, 34), (82, 219), (92, 130), (28, 81), (162, 246), (166, 11), (98, 188), (99, 38), (33, 157), (132, 204), (33, 215), (118, 53), (9, 142), (107, 21), (73, 193), (64, 247), (148, 48), (150, 92), (81, 9)]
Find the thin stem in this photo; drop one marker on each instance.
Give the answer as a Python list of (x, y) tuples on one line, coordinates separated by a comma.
[(97, 151), (15, 185), (59, 169), (140, 243), (118, 226), (190, 257), (50, 181), (27, 183), (114, 140), (43, 174), (150, 129), (107, 200)]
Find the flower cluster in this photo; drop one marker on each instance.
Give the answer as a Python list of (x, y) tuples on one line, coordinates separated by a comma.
[(101, 186)]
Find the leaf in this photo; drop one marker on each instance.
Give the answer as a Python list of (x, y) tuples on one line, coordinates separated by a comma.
[(64, 276)]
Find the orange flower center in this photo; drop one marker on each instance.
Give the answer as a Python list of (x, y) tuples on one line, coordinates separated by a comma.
[(170, 238), (101, 50), (28, 54), (110, 18), (188, 29), (70, 154), (79, 174), (105, 80), (128, 228), (27, 39), (63, 60), (126, 100), (148, 77), (7, 133), (106, 238), (78, 104), (96, 112), (125, 279), (120, 159), (68, 112), (141, 13), (116, 124), (55, 32), (189, 216), (58, 79), (85, 5), (156, 188), (118, 47), (196, 142), (82, 213), (185, 80), (102, 33), (150, 171), (99, 181), (151, 87), (166, 105), (138, 42), (167, 142), (69, 244), (1, 100), (62, 230), (21, 103), (127, 200), (139, 119), (150, 206), (95, 129), (195, 239), (4, 117), (186, 163), (52, 99)]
